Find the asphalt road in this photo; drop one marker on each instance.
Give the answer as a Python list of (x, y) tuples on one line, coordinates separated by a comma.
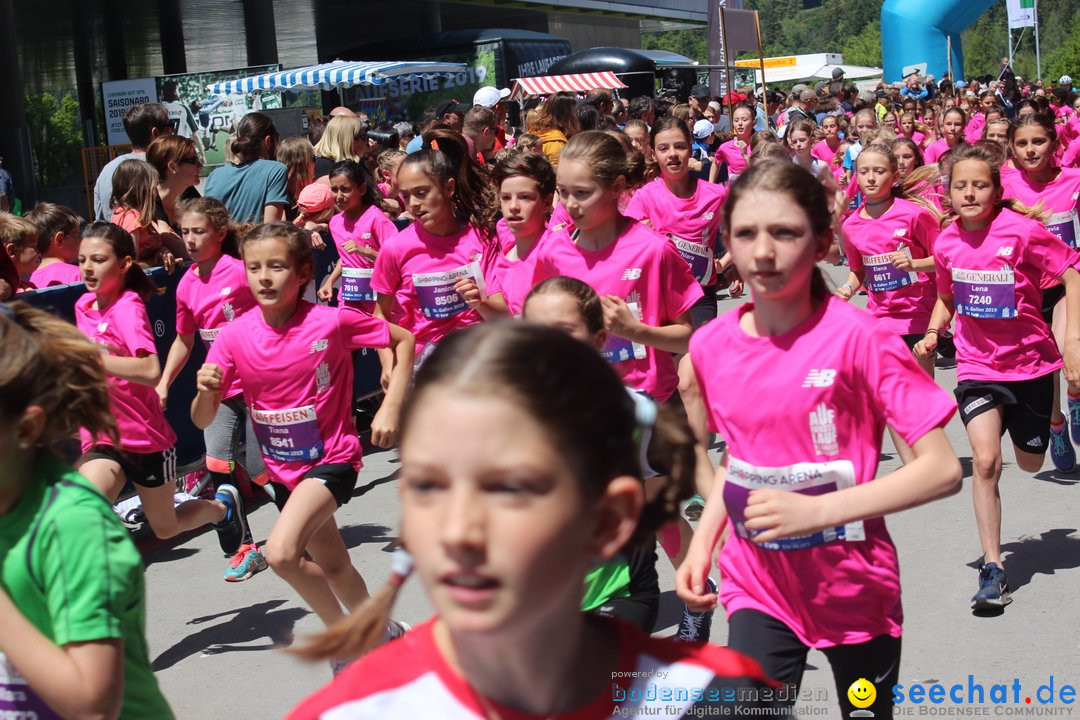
[(218, 648)]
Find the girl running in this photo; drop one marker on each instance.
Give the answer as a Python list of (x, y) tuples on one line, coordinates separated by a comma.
[(827, 148), (441, 270), (736, 151), (293, 362), (359, 230), (113, 314), (210, 295), (889, 244), (865, 122), (645, 287), (686, 210), (72, 593), (953, 121), (526, 188), (58, 242), (912, 129), (1040, 181), (808, 561), (990, 266), (505, 506)]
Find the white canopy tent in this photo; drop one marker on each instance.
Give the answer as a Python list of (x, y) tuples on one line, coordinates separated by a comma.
[(334, 75), (817, 66)]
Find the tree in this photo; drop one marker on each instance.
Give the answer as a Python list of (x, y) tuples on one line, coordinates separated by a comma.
[(864, 48), (1065, 59), (55, 138)]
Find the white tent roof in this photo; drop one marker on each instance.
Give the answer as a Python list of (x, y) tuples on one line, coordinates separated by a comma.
[(818, 66), (336, 74)]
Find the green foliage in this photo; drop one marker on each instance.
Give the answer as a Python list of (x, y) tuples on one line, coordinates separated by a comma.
[(853, 27), (55, 138)]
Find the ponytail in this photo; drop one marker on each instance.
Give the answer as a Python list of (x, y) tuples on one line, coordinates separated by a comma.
[(446, 156), (48, 362)]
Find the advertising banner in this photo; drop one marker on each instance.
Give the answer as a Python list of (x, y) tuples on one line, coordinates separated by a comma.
[(118, 97)]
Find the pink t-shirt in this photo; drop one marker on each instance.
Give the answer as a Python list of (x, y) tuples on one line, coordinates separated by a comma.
[(1071, 157), (517, 276), (936, 150), (204, 305), (560, 218), (371, 229), (693, 224), (646, 271), (506, 238), (994, 276), (124, 327), (902, 301), (1060, 197), (973, 130), (58, 273), (420, 269), (843, 378), (298, 380), (826, 154), (916, 137), (733, 156)]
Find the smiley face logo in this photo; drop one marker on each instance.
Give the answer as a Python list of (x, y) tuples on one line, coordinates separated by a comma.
[(862, 693)]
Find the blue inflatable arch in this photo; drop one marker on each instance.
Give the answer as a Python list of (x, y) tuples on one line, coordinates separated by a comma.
[(915, 31)]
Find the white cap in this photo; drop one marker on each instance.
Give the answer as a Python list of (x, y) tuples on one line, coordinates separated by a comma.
[(703, 128), (1065, 80), (489, 96)]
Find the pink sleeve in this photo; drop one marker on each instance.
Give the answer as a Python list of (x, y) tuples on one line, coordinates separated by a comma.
[(135, 329), (1072, 155), (1047, 252), (360, 330), (382, 229), (221, 355), (680, 290), (386, 276), (636, 207), (926, 230), (912, 401), (185, 320), (942, 276), (854, 257)]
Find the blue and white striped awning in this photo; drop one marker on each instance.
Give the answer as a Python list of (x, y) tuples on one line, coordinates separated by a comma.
[(333, 75)]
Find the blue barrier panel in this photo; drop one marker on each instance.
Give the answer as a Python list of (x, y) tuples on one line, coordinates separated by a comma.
[(190, 448)]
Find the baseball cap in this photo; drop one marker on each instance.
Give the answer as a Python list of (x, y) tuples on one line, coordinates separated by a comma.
[(314, 198), (798, 89), (703, 128), (700, 91), (490, 96), (837, 72), (451, 106), (714, 106)]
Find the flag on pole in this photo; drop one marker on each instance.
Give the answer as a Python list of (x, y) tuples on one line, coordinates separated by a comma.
[(1021, 13)]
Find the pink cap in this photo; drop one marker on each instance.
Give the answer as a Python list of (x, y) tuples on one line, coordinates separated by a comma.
[(314, 198)]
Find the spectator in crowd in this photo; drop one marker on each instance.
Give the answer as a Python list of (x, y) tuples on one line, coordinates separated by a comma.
[(642, 108), (298, 157), (602, 100), (494, 98), (480, 132), (345, 138), (254, 188), (7, 187), (555, 122), (143, 124), (177, 162), (452, 113)]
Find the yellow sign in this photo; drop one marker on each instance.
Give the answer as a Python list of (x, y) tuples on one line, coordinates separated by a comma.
[(775, 62)]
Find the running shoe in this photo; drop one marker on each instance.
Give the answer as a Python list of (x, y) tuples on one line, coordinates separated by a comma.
[(993, 588), (694, 507), (1062, 452), (336, 666), (696, 626), (247, 561), (1074, 419), (395, 629), (232, 529)]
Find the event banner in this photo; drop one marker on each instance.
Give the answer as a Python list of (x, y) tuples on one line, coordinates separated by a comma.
[(118, 97)]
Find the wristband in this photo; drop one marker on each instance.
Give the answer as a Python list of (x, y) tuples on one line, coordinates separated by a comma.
[(931, 330)]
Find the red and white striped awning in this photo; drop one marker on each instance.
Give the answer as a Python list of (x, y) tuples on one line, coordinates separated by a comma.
[(580, 82)]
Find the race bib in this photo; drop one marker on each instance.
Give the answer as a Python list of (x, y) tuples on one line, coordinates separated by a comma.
[(1066, 226), (288, 435), (435, 291), (809, 478), (985, 293), (698, 256), (619, 349), (17, 700), (209, 336), (356, 284), (883, 276)]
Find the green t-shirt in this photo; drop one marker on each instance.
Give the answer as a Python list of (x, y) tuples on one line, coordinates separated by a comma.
[(68, 564), (608, 581)]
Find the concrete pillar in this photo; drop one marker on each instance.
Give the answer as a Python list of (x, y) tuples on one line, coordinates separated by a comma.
[(171, 32), (260, 32), (15, 140)]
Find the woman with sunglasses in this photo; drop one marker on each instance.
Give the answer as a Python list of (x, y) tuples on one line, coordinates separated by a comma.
[(177, 163)]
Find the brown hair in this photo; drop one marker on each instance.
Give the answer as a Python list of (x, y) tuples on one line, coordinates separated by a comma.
[(603, 154), (586, 412), (251, 131), (531, 165), (994, 156), (910, 187), (17, 231), (802, 187), (474, 196), (763, 136), (215, 211), (1034, 120), (167, 149), (49, 219), (48, 362), (123, 245), (769, 151), (134, 188), (297, 243), (298, 157), (588, 302), (558, 112)]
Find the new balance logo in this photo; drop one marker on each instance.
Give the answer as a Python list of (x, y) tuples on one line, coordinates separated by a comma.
[(318, 346), (819, 378), (631, 273), (1005, 251)]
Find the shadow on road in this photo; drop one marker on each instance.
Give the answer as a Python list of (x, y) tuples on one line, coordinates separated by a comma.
[(244, 626), (1057, 477), (356, 535), (368, 487), (1045, 554)]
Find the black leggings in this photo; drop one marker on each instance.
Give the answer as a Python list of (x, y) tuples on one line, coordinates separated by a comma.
[(783, 656)]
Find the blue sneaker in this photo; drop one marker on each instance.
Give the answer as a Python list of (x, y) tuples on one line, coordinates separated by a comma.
[(247, 561), (1062, 452), (1074, 419), (993, 588), (232, 529), (694, 507), (696, 627)]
